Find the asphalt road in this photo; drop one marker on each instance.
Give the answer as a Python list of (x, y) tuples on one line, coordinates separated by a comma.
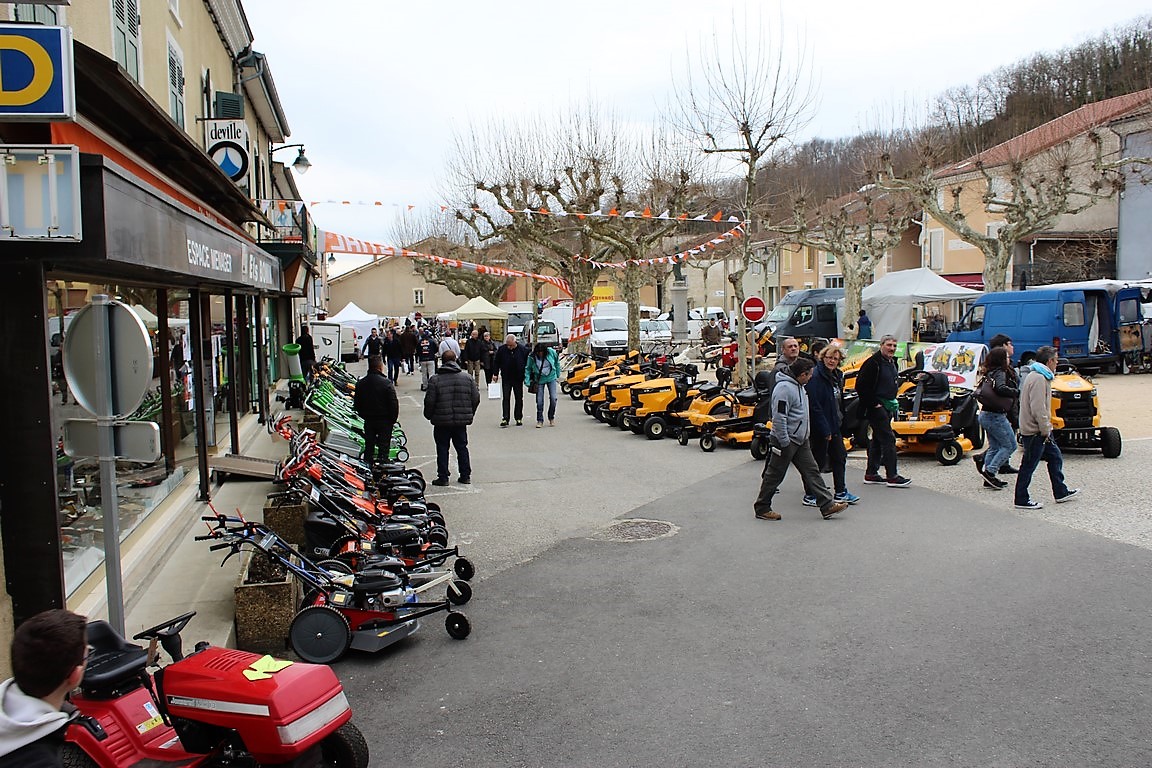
[(926, 626)]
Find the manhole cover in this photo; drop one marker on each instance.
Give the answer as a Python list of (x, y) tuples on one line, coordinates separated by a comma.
[(637, 530)]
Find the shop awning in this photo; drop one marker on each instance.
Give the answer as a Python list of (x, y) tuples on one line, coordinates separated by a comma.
[(974, 281)]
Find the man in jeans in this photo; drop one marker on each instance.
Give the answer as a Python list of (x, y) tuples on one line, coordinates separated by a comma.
[(790, 444), (1036, 432), (426, 351), (876, 388), (450, 404)]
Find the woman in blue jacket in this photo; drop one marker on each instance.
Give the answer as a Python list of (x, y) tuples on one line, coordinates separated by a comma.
[(543, 369), (825, 391)]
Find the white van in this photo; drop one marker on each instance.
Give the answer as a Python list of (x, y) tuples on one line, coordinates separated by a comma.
[(336, 341), (610, 309), (561, 316), (609, 335), (520, 314)]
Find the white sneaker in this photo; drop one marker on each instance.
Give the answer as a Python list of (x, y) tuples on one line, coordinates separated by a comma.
[(1072, 493), (1030, 504)]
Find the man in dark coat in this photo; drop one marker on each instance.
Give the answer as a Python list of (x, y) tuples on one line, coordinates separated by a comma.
[(376, 402), (373, 345), (876, 387), (408, 343), (307, 352), (508, 365), (450, 404)]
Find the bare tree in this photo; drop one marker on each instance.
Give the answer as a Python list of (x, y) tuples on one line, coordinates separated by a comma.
[(748, 96), (443, 235)]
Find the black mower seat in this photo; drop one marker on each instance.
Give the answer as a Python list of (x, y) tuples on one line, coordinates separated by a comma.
[(749, 396), (375, 581), (934, 392), (709, 390), (112, 660)]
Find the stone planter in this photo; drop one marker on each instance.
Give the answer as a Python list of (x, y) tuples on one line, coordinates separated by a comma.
[(287, 521), (267, 599)]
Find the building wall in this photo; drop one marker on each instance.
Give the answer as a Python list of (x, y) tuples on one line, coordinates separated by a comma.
[(385, 288), (1133, 255)]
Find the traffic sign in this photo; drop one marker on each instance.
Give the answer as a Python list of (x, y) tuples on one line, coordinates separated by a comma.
[(132, 440), (753, 309), (120, 350)]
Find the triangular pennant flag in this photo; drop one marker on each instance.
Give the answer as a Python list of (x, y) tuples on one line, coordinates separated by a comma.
[(719, 215)]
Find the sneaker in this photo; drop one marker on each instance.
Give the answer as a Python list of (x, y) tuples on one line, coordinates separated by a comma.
[(995, 484), (834, 508), (898, 482), (539, 424), (873, 480), (847, 497), (809, 501), (519, 423), (1030, 504), (769, 515), (1072, 493), (440, 481), (465, 481), (990, 479), (1007, 470), (504, 423), (551, 422), (978, 459)]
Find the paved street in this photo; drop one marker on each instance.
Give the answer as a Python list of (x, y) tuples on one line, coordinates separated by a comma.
[(926, 626)]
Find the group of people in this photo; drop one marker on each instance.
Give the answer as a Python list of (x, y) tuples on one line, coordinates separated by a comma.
[(398, 347)]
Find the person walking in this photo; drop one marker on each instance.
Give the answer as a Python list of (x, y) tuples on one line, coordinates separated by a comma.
[(375, 401), (450, 404), (1036, 432), (393, 353), (449, 342), (489, 356), (307, 351), (825, 395), (508, 366), (1003, 340), (997, 391), (426, 352), (373, 345), (864, 326), (876, 388), (408, 343), (474, 355), (543, 370), (790, 445)]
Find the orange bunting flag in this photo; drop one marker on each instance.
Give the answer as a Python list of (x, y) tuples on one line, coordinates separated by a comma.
[(719, 215)]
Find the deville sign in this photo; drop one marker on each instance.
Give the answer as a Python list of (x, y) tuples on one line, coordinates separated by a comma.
[(228, 146)]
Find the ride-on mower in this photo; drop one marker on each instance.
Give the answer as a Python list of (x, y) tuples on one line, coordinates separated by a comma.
[(1076, 415), (935, 418)]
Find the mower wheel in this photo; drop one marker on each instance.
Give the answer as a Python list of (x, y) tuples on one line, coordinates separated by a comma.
[(457, 625), (417, 482), (464, 569), (402, 455), (437, 536), (320, 634), (588, 408), (436, 518), (624, 422), (336, 566), (576, 393), (565, 388), (707, 443), (682, 437), (759, 448), (949, 452), (459, 592), (655, 427), (340, 546), (71, 756), (975, 433), (1110, 443), (345, 747)]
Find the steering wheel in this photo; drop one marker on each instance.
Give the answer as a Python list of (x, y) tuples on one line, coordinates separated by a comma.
[(168, 628)]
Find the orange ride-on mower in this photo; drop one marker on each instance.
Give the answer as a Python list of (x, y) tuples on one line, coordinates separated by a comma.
[(935, 418), (736, 426), (653, 401), (1076, 415)]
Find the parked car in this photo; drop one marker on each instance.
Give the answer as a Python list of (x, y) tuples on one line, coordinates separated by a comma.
[(544, 332), (654, 333)]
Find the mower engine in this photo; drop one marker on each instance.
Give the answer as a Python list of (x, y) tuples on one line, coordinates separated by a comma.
[(381, 589)]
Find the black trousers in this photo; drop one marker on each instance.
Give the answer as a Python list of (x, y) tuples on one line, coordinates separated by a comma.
[(456, 437), (882, 445), (510, 388), (377, 438), (832, 452)]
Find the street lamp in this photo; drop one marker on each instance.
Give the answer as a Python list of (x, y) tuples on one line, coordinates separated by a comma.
[(301, 164)]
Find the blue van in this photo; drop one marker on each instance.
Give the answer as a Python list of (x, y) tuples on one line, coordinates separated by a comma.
[(1090, 326)]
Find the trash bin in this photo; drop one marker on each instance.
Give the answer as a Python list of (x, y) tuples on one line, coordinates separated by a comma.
[(292, 352)]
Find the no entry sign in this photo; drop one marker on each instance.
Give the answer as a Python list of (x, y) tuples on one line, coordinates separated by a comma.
[(753, 309)]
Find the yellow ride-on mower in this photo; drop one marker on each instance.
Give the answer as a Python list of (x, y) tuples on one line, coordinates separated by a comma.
[(734, 426), (576, 382), (1076, 415), (652, 401), (935, 418)]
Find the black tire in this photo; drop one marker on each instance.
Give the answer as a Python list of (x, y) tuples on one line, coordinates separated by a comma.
[(320, 634), (459, 592), (436, 518), (1110, 442), (707, 443), (417, 482), (682, 437), (949, 452), (345, 748), (565, 388), (975, 433), (655, 427), (463, 568), (437, 536), (576, 393), (759, 448), (402, 455), (336, 566), (71, 756), (588, 409), (457, 625)]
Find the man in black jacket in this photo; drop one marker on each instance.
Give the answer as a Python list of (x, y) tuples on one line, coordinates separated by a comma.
[(509, 362), (47, 662), (307, 352), (450, 404), (876, 387), (376, 402)]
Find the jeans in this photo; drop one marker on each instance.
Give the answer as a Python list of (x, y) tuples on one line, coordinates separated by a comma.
[(510, 386), (1037, 448), (551, 387), (427, 369), (776, 467), (1001, 440), (458, 438), (832, 451), (377, 440), (394, 368), (882, 446)]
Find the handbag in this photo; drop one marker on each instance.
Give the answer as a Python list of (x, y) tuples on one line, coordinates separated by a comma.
[(494, 391), (535, 385), (992, 402)]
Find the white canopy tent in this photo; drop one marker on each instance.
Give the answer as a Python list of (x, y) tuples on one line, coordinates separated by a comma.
[(479, 308), (357, 318), (889, 300)]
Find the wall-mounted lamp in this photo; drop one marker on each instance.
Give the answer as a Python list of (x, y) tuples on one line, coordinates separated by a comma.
[(331, 259), (301, 164)]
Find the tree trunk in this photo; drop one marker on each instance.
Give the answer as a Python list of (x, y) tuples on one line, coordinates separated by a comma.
[(996, 261), (854, 277)]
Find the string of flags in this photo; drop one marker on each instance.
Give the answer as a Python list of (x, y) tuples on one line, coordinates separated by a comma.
[(336, 243), (736, 231)]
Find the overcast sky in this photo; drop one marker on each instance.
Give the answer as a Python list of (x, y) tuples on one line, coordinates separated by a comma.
[(376, 89)]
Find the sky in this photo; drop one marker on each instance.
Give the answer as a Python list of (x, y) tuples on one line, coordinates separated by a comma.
[(379, 90)]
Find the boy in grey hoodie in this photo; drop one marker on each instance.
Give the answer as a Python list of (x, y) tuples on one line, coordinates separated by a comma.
[(48, 654), (790, 431)]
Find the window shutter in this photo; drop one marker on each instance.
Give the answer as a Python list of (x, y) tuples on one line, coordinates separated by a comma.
[(229, 106)]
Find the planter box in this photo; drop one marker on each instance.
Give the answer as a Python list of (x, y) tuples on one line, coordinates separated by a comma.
[(287, 521), (266, 602)]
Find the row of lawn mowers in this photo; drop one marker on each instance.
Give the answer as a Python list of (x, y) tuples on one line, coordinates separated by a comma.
[(656, 397)]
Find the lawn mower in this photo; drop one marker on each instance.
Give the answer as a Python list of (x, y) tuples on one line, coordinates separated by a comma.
[(367, 610), (216, 707), (749, 407), (1076, 415), (934, 417), (653, 401)]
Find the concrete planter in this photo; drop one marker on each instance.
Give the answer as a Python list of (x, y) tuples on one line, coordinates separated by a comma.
[(267, 599), (287, 521)]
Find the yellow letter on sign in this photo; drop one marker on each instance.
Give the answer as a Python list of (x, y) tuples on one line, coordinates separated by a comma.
[(42, 71)]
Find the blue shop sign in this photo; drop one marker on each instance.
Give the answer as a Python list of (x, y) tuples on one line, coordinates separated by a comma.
[(36, 75)]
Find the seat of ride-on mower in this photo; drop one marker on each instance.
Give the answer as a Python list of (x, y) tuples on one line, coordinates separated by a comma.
[(112, 660), (933, 391)]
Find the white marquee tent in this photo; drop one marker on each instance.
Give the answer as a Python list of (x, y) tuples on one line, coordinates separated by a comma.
[(352, 315), (889, 300)]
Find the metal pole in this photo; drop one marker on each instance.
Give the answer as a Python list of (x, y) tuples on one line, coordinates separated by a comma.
[(230, 361), (196, 331), (109, 499), (259, 319), (168, 435)]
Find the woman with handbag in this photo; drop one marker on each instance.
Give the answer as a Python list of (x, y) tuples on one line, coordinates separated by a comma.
[(997, 393), (541, 373)]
